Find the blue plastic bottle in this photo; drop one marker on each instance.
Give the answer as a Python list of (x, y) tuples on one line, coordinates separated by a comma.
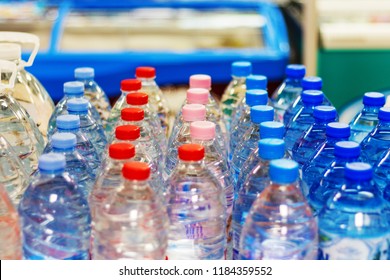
[(333, 177), (365, 121), (257, 180), (306, 146), (354, 224), (259, 114), (382, 171), (289, 90), (54, 214), (280, 224), (377, 142), (315, 166), (304, 118)]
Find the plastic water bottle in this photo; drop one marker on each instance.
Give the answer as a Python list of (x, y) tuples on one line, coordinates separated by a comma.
[(382, 171), (308, 83), (54, 214), (181, 133), (71, 124), (315, 166), (306, 146), (289, 90), (333, 177), (140, 100), (280, 224), (259, 114), (71, 90), (93, 92), (235, 90), (377, 142), (354, 224), (76, 165), (270, 129), (92, 129), (239, 127), (196, 206), (257, 180), (13, 176), (304, 118), (133, 224), (157, 101), (10, 236), (127, 86)]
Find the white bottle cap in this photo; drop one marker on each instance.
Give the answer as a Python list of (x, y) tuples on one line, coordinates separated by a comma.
[(9, 51)]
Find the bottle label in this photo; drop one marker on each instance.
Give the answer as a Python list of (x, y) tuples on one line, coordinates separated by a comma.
[(333, 247)]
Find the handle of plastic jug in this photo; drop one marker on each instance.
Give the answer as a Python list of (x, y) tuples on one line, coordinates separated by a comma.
[(22, 38), (8, 66)]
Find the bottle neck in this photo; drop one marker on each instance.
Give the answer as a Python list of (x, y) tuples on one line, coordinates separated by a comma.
[(72, 130), (51, 172), (135, 185), (239, 79), (370, 109), (64, 150), (72, 95), (147, 81), (384, 124), (311, 106), (344, 160), (128, 92), (78, 113), (320, 122), (359, 185), (293, 82), (206, 143), (85, 80), (333, 140)]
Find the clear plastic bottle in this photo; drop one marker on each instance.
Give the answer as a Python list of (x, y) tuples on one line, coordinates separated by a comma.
[(382, 171), (92, 129), (280, 224), (377, 142), (13, 176), (252, 98), (140, 100), (259, 114), (157, 101), (289, 90), (71, 90), (304, 118), (133, 223), (10, 236), (93, 92), (54, 214), (257, 180), (127, 86), (306, 146), (354, 224), (235, 91), (196, 206), (76, 165), (333, 177)]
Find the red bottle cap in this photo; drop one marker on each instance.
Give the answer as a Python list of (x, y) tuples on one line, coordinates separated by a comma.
[(127, 132), (145, 72), (130, 85), (135, 170), (132, 114), (191, 152), (121, 151), (138, 98)]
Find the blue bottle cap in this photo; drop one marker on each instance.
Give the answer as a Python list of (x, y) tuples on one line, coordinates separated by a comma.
[(77, 105), (74, 89), (347, 149), (358, 171), (295, 71), (312, 83), (283, 171), (384, 114), (315, 97), (338, 130), (241, 68), (51, 162), (256, 97), (325, 112), (271, 129), (84, 73), (271, 148), (262, 113), (374, 99), (256, 82), (68, 122), (63, 140)]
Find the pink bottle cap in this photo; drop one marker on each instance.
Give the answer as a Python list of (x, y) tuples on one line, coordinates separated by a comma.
[(202, 130), (200, 81), (197, 96), (193, 112)]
